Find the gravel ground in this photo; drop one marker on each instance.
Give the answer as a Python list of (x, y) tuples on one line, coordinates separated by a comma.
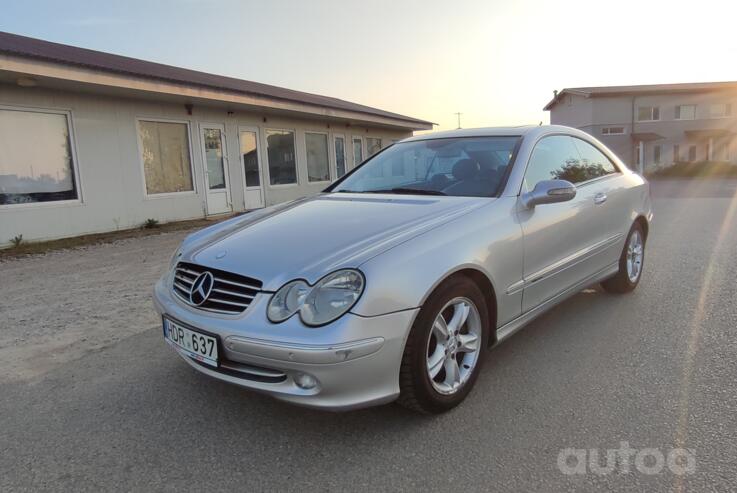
[(655, 369), (65, 304)]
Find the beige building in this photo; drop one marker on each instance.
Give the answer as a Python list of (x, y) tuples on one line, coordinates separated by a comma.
[(650, 126), (94, 142)]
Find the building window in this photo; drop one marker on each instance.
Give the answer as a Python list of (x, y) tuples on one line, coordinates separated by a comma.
[(686, 112), (339, 155), (281, 156), (36, 162), (167, 165), (691, 154), (318, 165), (676, 153), (648, 113), (612, 131), (357, 151), (720, 110), (373, 146), (656, 154), (249, 153)]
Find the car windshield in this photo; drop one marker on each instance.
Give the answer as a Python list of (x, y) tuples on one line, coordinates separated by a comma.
[(462, 167)]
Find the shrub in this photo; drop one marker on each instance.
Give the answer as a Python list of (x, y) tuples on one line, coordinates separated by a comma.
[(150, 223), (16, 241), (702, 169)]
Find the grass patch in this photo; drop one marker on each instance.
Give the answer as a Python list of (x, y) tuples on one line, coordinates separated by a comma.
[(21, 248), (704, 169)]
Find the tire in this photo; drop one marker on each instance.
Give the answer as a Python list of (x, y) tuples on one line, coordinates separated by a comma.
[(425, 346), (624, 281)]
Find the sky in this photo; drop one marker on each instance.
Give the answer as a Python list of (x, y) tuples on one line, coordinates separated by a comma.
[(496, 62)]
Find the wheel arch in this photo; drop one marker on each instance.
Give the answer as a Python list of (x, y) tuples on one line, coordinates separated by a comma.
[(485, 285), (642, 221)]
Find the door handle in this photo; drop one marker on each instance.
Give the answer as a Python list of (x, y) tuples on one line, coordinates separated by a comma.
[(599, 198)]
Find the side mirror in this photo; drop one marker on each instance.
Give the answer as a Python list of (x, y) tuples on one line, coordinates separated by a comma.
[(549, 192)]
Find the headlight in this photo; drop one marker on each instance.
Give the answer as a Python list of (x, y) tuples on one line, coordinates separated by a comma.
[(331, 297)]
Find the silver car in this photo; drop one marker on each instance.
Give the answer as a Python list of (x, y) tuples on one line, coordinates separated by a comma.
[(394, 282)]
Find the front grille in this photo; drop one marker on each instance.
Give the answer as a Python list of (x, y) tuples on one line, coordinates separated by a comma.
[(230, 293)]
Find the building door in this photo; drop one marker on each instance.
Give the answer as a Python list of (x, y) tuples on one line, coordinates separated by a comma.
[(251, 164), (215, 159)]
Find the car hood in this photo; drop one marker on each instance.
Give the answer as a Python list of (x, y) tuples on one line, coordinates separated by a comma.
[(311, 237)]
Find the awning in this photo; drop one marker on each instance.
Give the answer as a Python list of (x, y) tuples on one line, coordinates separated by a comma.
[(646, 136)]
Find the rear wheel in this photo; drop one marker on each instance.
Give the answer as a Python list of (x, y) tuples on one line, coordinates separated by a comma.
[(445, 348), (630, 263)]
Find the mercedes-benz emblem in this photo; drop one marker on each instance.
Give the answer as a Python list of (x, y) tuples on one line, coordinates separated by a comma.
[(201, 288)]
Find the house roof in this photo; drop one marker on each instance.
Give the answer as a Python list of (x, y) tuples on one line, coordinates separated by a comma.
[(642, 89), (23, 46)]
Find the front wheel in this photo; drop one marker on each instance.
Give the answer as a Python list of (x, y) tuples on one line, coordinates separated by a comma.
[(445, 348), (630, 263)]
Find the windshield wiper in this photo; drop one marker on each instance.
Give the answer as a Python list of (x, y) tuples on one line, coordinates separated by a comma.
[(412, 191), (398, 190)]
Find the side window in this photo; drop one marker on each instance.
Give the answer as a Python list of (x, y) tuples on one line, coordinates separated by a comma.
[(593, 161), (554, 157)]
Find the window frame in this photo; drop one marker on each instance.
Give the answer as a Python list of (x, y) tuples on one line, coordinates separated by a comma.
[(330, 161), (678, 114), (652, 110), (355, 137), (142, 165), (381, 145), (727, 110), (618, 171), (609, 128), (296, 158), (72, 149), (335, 155)]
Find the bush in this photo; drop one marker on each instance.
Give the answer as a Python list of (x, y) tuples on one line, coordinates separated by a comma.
[(16, 241), (702, 169), (150, 224)]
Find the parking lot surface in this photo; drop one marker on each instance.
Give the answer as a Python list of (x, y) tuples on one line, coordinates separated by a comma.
[(93, 399)]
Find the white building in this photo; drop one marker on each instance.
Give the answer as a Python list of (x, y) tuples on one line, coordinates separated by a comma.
[(93, 142)]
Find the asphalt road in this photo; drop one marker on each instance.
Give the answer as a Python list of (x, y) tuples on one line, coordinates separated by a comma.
[(656, 369)]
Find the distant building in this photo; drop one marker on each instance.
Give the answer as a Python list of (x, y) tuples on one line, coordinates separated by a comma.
[(91, 142), (650, 126)]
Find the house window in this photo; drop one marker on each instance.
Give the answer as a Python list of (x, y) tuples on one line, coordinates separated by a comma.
[(318, 165), (167, 165), (686, 112), (676, 153), (357, 151), (691, 154), (612, 131), (281, 156), (339, 155), (37, 161), (648, 113), (373, 146), (720, 110), (656, 154)]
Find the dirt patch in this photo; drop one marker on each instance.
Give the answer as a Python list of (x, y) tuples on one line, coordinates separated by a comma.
[(154, 228), (61, 305)]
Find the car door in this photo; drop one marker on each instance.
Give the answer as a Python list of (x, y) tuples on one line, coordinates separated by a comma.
[(559, 240), (613, 205)]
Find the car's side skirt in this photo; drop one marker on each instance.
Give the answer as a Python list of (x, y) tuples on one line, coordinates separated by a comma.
[(508, 329)]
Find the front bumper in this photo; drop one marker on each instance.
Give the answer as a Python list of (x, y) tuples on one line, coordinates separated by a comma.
[(355, 360)]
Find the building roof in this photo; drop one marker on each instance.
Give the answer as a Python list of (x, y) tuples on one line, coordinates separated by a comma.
[(23, 46), (642, 89)]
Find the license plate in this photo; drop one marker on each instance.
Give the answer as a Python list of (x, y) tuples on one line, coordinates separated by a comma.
[(199, 346)]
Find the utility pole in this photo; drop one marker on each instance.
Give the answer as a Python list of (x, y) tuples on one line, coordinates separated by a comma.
[(459, 118)]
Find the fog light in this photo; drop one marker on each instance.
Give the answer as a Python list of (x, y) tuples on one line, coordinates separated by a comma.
[(305, 381)]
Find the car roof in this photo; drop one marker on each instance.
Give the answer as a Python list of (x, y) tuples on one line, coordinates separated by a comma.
[(494, 132)]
